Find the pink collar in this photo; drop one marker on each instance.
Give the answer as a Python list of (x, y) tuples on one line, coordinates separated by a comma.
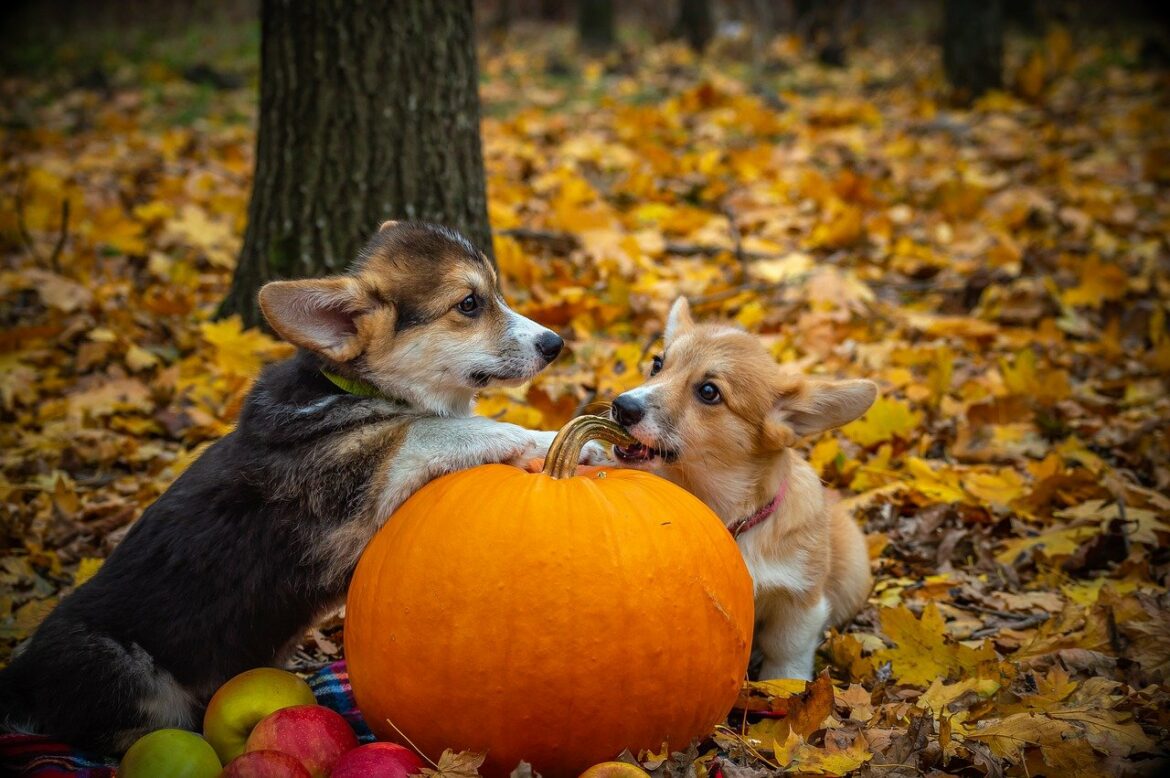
[(743, 525)]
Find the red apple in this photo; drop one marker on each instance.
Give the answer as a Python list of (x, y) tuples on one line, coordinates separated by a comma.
[(314, 734), (265, 764), (377, 760), (241, 702), (171, 752)]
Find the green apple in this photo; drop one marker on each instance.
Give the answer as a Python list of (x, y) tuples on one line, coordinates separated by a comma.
[(240, 703), (175, 753)]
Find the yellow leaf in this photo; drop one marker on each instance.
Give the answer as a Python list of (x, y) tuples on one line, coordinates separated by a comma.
[(750, 315), (621, 372), (464, 764), (1031, 76), (111, 227), (1008, 737), (804, 758), (139, 359), (940, 694), (922, 652), (778, 271), (514, 264), (1099, 283), (1024, 377), (501, 407), (215, 238), (785, 751), (154, 211), (842, 226), (1054, 543), (939, 374), (942, 485), (824, 453), (119, 394), (1143, 524), (886, 419), (998, 489), (240, 352), (86, 569)]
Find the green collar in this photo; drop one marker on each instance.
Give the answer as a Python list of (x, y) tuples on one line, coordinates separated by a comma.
[(354, 386)]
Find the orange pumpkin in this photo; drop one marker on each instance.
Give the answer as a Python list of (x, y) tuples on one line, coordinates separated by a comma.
[(551, 617)]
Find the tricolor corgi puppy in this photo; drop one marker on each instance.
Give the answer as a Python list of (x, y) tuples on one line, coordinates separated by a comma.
[(719, 417), (260, 535)]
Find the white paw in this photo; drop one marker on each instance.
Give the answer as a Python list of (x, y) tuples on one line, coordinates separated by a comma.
[(593, 453), (505, 443), (537, 445)]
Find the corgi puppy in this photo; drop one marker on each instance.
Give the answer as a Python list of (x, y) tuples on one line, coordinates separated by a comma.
[(259, 536), (720, 418)]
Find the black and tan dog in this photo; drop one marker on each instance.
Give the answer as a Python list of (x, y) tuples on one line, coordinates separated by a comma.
[(259, 537)]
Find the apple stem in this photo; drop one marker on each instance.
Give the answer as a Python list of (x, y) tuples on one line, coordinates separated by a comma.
[(565, 451)]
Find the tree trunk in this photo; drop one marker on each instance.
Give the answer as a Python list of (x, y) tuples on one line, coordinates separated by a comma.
[(973, 46), (695, 23), (595, 24), (369, 110)]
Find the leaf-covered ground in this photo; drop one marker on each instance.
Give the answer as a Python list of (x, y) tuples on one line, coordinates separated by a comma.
[(1003, 272)]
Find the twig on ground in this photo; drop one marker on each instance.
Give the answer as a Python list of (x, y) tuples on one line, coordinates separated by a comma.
[(61, 236), (563, 242), (1017, 620), (737, 237), (1032, 620), (27, 239)]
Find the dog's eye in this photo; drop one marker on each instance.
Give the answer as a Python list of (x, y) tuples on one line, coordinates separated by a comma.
[(655, 365), (709, 393), (468, 305)]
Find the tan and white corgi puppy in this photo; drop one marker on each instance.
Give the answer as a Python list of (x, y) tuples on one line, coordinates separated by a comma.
[(260, 535), (720, 418)]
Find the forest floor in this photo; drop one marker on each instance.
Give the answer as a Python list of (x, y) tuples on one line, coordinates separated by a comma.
[(1002, 272)]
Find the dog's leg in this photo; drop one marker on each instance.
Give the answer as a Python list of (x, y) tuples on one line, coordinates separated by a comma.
[(788, 636), (435, 447)]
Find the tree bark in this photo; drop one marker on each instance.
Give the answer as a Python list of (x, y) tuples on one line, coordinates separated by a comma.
[(369, 110), (595, 24), (695, 23), (973, 46)]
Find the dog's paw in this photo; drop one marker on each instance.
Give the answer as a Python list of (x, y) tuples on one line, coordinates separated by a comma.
[(536, 446), (593, 453)]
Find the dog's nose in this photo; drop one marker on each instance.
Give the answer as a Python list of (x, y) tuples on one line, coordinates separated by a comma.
[(627, 411), (549, 345)]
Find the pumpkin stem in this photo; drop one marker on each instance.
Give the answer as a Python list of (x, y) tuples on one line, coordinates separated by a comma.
[(561, 460)]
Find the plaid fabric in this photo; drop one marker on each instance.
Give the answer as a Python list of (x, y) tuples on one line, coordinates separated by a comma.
[(331, 686), (27, 756)]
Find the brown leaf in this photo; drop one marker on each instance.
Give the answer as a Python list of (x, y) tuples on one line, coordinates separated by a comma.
[(809, 710)]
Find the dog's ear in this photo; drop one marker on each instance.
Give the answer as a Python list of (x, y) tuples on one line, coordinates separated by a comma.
[(318, 314), (679, 319), (810, 406), (388, 225)]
